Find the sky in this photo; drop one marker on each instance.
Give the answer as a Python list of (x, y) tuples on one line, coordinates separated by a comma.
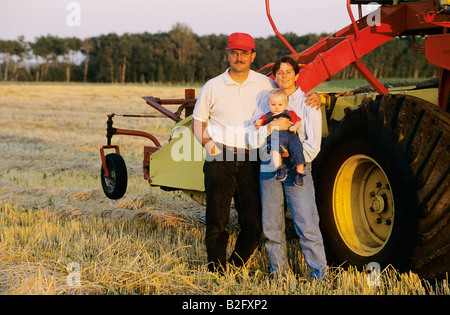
[(87, 18)]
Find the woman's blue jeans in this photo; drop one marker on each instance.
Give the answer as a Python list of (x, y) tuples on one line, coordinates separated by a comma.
[(302, 205)]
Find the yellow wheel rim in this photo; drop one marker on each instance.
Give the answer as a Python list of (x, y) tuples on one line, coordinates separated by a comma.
[(363, 205)]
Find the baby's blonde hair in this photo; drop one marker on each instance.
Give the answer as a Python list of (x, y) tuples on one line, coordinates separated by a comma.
[(277, 92)]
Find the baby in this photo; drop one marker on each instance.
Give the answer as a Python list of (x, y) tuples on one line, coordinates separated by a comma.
[(288, 139)]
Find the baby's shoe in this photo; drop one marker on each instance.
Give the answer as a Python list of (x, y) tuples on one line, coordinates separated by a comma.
[(280, 174), (298, 180)]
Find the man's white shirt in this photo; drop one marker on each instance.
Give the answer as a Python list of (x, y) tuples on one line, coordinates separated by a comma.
[(228, 107)]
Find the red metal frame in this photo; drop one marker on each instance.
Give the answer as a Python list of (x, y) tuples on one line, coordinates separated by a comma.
[(444, 91), (269, 16), (148, 150), (352, 18), (157, 103), (138, 133), (102, 156), (333, 53), (437, 50)]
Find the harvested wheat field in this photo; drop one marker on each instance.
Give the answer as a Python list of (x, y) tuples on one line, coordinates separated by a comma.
[(59, 234)]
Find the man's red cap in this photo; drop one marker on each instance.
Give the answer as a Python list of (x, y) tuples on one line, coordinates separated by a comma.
[(240, 41)]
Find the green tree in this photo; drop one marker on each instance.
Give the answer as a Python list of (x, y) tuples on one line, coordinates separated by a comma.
[(87, 46), (186, 51), (12, 48), (48, 48), (125, 50), (71, 46)]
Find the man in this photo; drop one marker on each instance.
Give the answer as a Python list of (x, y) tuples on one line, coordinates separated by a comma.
[(227, 103)]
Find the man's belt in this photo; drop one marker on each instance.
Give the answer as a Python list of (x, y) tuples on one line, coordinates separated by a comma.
[(234, 149)]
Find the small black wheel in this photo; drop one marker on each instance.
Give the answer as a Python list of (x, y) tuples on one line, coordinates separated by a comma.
[(115, 185)]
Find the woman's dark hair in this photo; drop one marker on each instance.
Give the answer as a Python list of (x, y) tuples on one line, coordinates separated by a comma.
[(285, 59)]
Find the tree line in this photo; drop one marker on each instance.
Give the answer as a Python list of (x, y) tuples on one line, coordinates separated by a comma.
[(177, 56)]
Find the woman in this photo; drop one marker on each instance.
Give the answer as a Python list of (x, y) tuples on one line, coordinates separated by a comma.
[(300, 200)]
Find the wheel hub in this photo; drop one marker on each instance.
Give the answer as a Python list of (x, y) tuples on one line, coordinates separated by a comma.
[(378, 204), (363, 205), (111, 180)]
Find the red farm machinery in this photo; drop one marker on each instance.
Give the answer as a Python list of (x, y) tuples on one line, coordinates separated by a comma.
[(382, 177)]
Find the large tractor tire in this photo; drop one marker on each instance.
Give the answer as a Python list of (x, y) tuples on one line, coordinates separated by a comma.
[(382, 186)]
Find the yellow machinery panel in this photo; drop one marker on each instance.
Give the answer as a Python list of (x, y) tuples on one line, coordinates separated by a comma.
[(179, 164)]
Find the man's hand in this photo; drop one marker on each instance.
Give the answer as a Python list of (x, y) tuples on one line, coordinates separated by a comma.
[(198, 128), (313, 100), (212, 148)]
